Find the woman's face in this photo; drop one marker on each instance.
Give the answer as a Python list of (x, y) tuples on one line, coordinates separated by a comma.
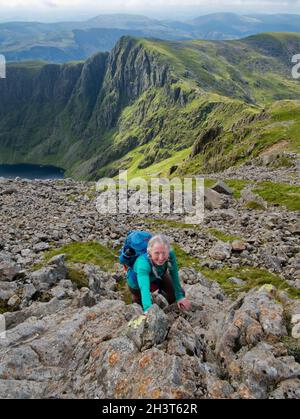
[(159, 254)]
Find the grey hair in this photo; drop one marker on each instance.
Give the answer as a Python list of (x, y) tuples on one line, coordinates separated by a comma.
[(160, 239)]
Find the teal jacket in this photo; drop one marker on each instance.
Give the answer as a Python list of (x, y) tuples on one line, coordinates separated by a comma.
[(144, 274)]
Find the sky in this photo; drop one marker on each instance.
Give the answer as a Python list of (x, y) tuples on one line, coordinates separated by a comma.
[(61, 10)]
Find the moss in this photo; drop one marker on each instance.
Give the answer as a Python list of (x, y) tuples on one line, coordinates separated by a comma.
[(253, 205), (123, 288), (293, 347), (4, 307), (208, 183), (78, 277), (223, 236)]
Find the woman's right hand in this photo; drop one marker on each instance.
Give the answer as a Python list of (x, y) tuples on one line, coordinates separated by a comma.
[(184, 304)]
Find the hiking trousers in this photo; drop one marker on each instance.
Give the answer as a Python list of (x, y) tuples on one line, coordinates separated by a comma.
[(166, 287)]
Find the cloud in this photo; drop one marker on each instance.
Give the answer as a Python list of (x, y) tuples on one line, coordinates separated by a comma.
[(142, 4), (50, 3)]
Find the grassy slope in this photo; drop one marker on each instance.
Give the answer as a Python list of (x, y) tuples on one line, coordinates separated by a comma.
[(225, 83)]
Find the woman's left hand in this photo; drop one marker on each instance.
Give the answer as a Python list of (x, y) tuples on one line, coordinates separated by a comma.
[(184, 304)]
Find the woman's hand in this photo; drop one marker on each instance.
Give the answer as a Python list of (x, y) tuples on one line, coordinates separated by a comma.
[(184, 304)]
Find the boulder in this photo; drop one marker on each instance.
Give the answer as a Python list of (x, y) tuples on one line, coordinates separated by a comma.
[(7, 290), (250, 197), (48, 276), (212, 199), (8, 191), (222, 188), (182, 340), (150, 330), (237, 281), (220, 251), (238, 245), (251, 319), (262, 369), (287, 389), (9, 270)]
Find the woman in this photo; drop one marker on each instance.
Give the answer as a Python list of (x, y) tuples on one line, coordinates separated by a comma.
[(157, 270)]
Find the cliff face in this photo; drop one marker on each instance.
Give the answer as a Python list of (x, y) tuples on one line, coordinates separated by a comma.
[(130, 72), (159, 96), (51, 109), (85, 93), (33, 99)]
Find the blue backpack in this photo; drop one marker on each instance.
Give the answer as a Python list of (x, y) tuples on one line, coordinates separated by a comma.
[(135, 245)]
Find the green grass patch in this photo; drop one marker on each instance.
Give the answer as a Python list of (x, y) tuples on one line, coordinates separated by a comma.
[(280, 194), (209, 183), (85, 252), (170, 223), (71, 198), (221, 235), (282, 161), (78, 277), (254, 277), (253, 205), (237, 185), (183, 259)]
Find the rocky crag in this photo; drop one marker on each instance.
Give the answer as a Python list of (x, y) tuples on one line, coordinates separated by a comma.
[(72, 334)]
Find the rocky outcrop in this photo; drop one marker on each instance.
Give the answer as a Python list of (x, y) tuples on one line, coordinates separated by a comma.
[(205, 138), (76, 337), (131, 70), (69, 349)]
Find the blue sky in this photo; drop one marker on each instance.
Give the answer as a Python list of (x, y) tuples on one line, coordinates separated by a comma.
[(57, 10)]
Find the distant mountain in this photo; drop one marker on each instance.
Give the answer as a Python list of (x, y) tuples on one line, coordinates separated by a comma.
[(233, 26), (65, 41), (153, 106)]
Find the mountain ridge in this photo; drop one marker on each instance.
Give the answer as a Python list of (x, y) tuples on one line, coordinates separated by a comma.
[(156, 96), (65, 41)]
